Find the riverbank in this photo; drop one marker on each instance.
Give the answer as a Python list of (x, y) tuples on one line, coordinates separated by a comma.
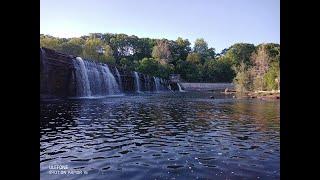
[(206, 86), (264, 95)]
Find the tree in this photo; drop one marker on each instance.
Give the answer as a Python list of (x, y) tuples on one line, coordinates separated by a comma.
[(165, 70), (93, 49), (108, 55), (200, 46), (149, 66), (211, 53), (264, 71), (123, 46), (143, 48), (272, 77), (194, 58), (188, 71), (260, 64), (180, 49), (49, 42), (240, 52), (243, 80), (73, 46), (126, 64), (152, 67), (273, 51), (260, 60), (161, 52), (219, 70), (224, 51)]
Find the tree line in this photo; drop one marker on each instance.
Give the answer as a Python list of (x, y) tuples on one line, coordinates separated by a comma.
[(250, 67)]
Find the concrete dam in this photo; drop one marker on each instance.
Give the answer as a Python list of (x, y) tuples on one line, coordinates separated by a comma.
[(63, 76)]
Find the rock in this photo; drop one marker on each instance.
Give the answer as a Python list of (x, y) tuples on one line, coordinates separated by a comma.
[(243, 137)]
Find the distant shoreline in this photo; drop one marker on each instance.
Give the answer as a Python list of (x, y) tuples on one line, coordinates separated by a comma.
[(264, 95), (206, 86)]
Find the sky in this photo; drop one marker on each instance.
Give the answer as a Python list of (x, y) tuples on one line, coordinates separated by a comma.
[(220, 22)]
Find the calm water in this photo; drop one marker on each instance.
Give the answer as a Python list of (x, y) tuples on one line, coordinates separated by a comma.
[(161, 136)]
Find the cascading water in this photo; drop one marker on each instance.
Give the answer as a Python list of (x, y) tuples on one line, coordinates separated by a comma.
[(83, 85), (119, 78), (146, 80), (94, 79), (180, 89), (136, 81), (112, 86), (157, 83)]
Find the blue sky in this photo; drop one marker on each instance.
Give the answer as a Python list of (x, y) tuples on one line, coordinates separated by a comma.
[(220, 22)]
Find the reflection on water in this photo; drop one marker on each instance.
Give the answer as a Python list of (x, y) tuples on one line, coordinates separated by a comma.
[(161, 136)]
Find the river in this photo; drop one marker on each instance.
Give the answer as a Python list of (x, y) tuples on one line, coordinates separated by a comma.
[(170, 135)]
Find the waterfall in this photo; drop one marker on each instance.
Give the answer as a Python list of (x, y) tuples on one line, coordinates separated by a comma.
[(113, 87), (157, 83), (83, 85), (136, 81), (148, 84), (180, 89), (94, 79), (119, 78)]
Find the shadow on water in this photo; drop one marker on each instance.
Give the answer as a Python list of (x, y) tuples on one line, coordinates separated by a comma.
[(163, 136)]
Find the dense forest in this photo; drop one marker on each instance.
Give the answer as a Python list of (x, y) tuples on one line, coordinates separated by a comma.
[(250, 67)]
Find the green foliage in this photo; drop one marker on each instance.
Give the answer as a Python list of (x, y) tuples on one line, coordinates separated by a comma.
[(272, 77), (188, 71), (73, 47), (108, 55), (219, 70), (95, 49), (91, 49), (264, 71), (261, 61), (194, 58), (161, 57), (200, 46), (165, 70), (152, 67), (243, 80), (240, 52), (273, 51), (149, 66), (211, 53), (179, 50), (49, 42), (127, 64)]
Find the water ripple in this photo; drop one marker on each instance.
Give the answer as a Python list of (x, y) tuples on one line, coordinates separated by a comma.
[(161, 136)]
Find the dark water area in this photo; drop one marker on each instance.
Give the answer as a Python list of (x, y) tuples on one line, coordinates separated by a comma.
[(160, 136)]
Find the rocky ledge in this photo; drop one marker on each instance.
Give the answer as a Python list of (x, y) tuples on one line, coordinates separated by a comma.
[(264, 95)]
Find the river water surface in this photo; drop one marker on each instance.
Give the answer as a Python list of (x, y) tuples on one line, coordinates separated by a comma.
[(160, 136)]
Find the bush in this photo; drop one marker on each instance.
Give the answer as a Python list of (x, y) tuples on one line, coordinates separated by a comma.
[(270, 77), (219, 70), (243, 80)]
